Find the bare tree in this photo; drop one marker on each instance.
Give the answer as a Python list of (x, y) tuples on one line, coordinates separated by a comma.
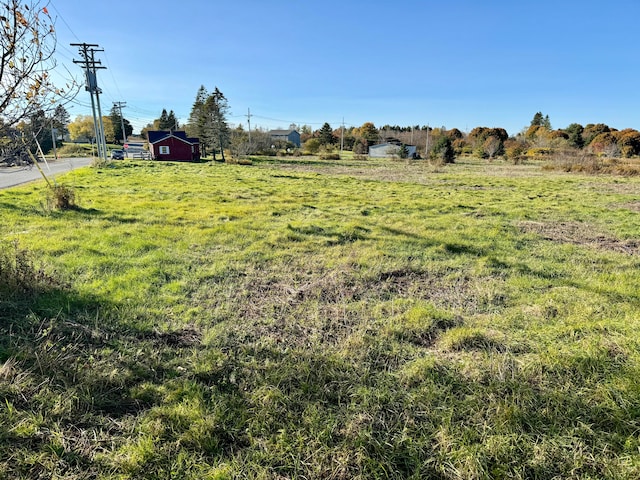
[(27, 43), (491, 146)]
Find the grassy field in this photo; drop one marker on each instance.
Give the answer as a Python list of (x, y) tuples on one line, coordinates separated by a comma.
[(306, 319)]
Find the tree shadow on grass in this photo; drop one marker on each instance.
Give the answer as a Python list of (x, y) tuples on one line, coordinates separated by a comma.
[(75, 372)]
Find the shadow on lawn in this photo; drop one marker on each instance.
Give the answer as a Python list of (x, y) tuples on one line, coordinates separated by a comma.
[(73, 370)]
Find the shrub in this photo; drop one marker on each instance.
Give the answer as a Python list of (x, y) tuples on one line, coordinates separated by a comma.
[(442, 150), (73, 150), (330, 156), (312, 146), (61, 197)]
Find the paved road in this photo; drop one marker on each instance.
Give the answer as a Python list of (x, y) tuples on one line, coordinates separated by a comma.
[(12, 176)]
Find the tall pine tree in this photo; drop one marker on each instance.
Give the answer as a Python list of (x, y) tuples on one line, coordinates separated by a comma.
[(216, 128), (196, 123)]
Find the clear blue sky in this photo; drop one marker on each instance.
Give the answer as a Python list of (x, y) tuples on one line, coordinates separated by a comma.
[(463, 64)]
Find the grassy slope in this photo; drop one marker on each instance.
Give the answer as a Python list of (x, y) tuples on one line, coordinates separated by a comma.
[(325, 320)]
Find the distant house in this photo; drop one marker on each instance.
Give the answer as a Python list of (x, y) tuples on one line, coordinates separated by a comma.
[(176, 146), (384, 150), (291, 136)]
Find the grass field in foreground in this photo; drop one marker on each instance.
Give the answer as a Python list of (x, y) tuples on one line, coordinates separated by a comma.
[(309, 319)]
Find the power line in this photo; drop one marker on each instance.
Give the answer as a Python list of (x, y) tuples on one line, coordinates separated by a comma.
[(64, 21)]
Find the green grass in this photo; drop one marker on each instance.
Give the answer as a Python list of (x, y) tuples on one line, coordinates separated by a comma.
[(300, 318)]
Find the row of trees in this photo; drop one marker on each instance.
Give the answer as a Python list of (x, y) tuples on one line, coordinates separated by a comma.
[(31, 108), (539, 138), (83, 127)]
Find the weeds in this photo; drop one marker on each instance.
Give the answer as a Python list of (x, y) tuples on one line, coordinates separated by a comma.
[(21, 276), (61, 197)]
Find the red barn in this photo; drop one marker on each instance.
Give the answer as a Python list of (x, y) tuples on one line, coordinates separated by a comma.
[(173, 146)]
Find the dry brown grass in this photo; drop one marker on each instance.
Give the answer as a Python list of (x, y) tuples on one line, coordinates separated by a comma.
[(581, 161), (580, 234)]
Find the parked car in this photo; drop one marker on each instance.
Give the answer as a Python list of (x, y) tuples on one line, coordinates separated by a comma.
[(117, 154)]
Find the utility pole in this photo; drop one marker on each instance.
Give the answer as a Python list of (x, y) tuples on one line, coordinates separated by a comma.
[(53, 139), (90, 65), (426, 147), (342, 136), (119, 106), (249, 122)]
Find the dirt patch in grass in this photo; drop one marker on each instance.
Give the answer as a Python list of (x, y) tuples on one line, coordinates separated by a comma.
[(580, 234), (303, 307), (635, 206)]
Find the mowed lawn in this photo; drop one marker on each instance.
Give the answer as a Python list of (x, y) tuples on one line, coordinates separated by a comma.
[(312, 319)]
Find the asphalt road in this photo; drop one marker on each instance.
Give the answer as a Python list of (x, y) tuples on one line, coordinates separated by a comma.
[(12, 176)]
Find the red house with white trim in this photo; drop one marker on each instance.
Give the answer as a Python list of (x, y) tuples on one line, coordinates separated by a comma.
[(174, 146)]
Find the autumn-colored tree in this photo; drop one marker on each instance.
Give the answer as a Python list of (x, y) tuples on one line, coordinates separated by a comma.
[(591, 131), (605, 143), (454, 134), (492, 146), (27, 43), (514, 149), (628, 141), (368, 132), (82, 127), (487, 142), (312, 146), (109, 130), (538, 136)]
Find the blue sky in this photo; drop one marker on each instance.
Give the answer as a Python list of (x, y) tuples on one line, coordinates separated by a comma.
[(455, 64)]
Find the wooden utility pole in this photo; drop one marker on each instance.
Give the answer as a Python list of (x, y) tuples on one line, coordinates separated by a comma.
[(91, 65)]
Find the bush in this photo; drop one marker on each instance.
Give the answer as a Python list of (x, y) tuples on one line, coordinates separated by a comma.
[(330, 156), (312, 146), (442, 150), (61, 197), (74, 150)]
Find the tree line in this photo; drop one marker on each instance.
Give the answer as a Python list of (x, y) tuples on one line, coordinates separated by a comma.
[(32, 114)]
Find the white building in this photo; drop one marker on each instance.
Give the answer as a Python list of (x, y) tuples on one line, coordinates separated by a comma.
[(387, 150)]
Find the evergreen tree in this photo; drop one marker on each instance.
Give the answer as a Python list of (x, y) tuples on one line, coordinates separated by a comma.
[(38, 128), (325, 135), (61, 120), (537, 120), (216, 129), (575, 135), (172, 121), (116, 121), (197, 119), (163, 123), (442, 150)]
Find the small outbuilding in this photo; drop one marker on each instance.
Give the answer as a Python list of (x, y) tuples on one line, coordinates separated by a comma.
[(386, 150), (290, 136), (176, 146)]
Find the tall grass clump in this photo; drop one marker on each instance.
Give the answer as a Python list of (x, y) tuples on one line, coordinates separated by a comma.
[(61, 197), (21, 275)]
